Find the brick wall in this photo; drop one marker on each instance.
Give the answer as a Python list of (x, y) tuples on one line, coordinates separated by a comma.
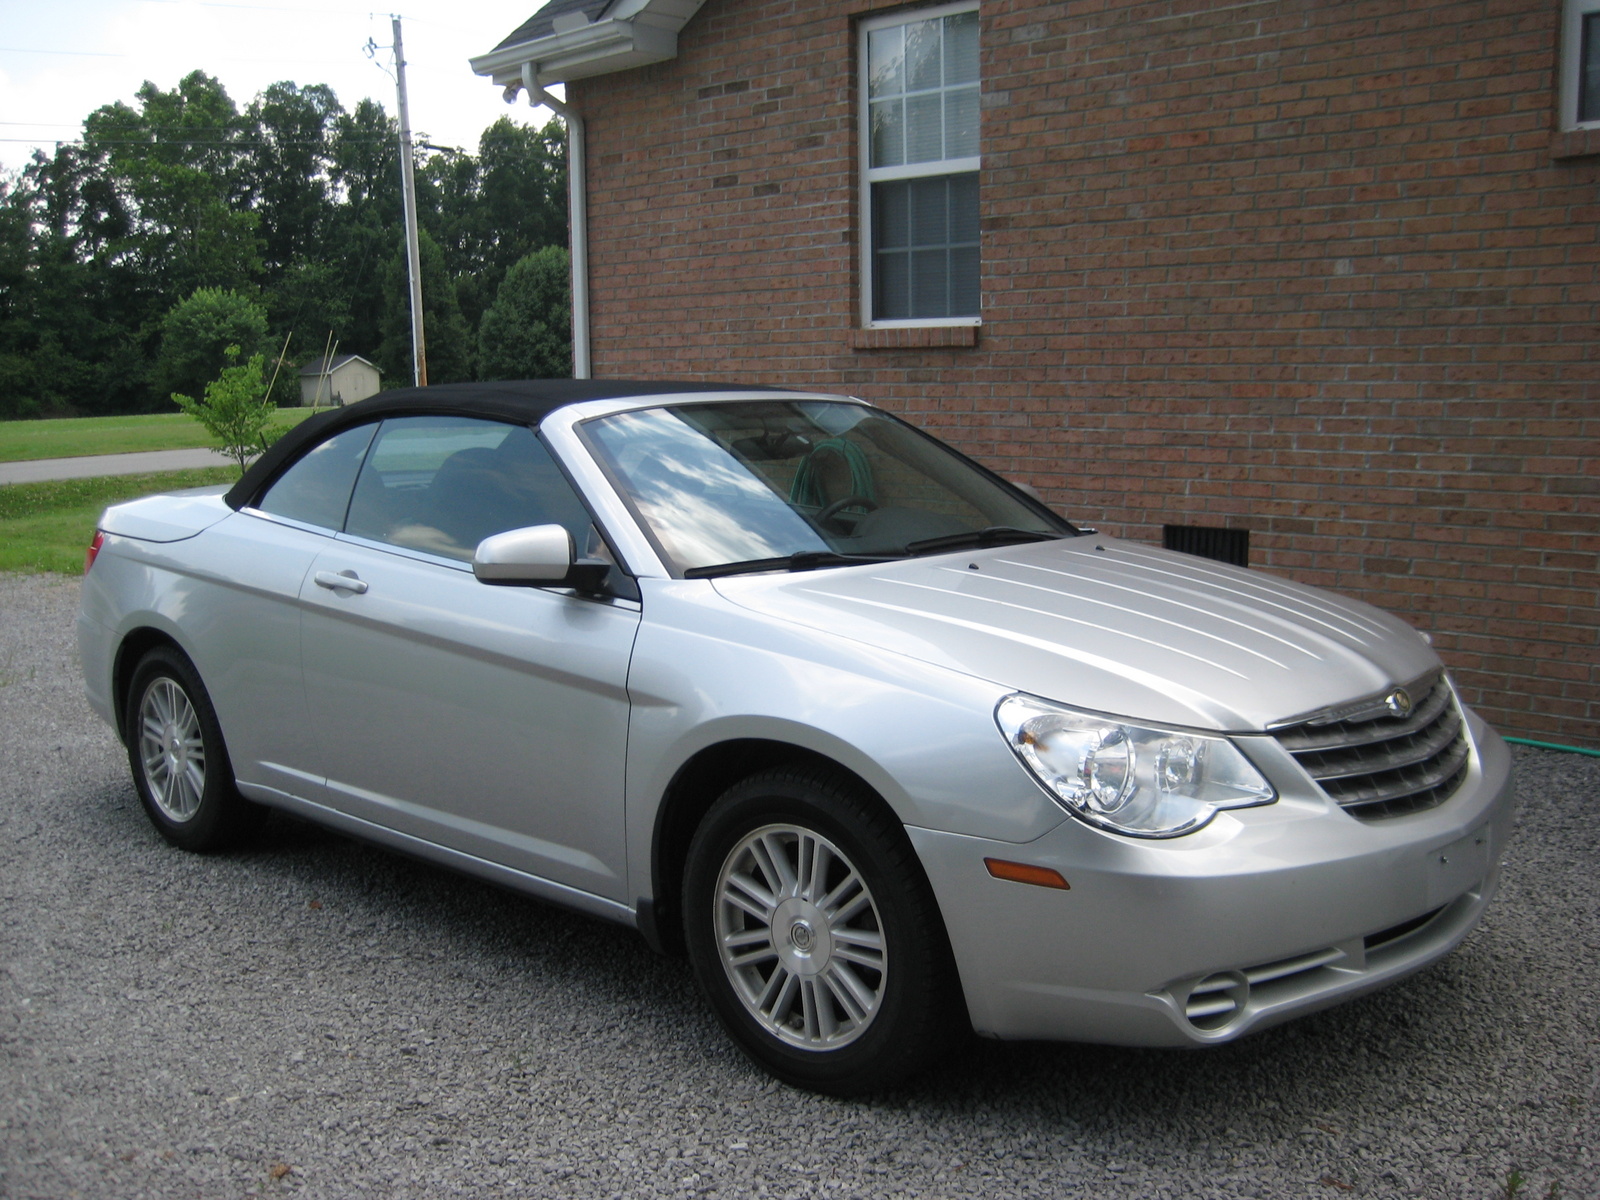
[(1315, 270)]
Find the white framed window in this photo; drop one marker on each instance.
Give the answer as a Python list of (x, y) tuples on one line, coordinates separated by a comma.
[(919, 167), (1580, 64)]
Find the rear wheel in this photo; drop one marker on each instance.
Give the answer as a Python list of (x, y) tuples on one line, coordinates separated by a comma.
[(815, 936), (180, 765)]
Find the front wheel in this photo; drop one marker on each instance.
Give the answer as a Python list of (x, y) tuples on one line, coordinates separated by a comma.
[(814, 935), (180, 765)]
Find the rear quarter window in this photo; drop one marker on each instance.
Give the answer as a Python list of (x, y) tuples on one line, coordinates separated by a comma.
[(316, 489)]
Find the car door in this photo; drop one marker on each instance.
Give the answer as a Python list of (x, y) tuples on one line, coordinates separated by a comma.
[(490, 720), (259, 559)]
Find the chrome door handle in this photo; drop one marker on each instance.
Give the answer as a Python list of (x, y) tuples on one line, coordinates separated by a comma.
[(342, 581)]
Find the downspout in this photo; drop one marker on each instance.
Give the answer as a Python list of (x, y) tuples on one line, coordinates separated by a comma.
[(577, 217)]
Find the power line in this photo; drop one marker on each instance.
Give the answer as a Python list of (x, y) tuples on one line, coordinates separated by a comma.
[(274, 8), (214, 136), (68, 53), (288, 62), (195, 144), (248, 145)]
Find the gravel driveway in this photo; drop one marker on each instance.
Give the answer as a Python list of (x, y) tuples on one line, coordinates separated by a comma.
[(319, 1018)]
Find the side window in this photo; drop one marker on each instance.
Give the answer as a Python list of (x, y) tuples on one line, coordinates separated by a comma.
[(443, 484), (316, 489), (919, 166)]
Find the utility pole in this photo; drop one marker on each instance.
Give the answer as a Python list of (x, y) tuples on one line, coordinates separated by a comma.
[(408, 192)]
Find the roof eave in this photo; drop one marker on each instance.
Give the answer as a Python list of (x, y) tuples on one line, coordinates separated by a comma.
[(597, 49)]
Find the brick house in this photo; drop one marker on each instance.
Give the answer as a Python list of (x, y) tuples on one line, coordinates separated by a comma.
[(1326, 276)]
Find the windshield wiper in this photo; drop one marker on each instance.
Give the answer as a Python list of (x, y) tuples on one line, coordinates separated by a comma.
[(804, 560), (977, 539)]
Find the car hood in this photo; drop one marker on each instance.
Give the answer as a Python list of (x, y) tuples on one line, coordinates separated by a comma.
[(1111, 626)]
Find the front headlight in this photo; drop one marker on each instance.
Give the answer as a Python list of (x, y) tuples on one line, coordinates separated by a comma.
[(1153, 783)]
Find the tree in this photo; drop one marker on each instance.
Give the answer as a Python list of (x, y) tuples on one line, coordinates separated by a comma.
[(198, 332), (312, 303), (235, 410), (17, 302), (449, 340), (522, 191), (291, 208), (527, 332), (365, 174), (177, 164), (288, 169), (70, 315), (489, 212)]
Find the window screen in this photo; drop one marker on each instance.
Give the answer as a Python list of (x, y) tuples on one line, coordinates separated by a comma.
[(925, 242)]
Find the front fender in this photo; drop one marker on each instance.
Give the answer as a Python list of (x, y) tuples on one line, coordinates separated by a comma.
[(706, 672)]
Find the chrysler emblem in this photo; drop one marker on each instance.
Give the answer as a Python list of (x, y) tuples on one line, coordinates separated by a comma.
[(1398, 702)]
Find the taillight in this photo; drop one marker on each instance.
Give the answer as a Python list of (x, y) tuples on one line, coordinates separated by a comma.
[(94, 549)]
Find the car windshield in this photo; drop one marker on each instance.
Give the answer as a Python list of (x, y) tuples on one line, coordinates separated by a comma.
[(798, 484)]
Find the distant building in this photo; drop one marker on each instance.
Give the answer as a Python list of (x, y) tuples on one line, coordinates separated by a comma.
[(343, 379)]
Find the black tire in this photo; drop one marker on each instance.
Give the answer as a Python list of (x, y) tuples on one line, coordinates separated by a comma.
[(815, 967), (178, 758)]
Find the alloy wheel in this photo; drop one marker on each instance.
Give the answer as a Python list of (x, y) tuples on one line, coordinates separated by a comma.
[(800, 937), (172, 749)]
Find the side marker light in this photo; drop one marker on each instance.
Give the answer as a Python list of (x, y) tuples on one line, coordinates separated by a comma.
[(1016, 872), (93, 551)]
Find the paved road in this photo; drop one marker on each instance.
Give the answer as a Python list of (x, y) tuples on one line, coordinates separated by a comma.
[(318, 1018), (144, 462)]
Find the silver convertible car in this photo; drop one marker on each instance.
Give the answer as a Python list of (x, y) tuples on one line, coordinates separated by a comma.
[(887, 747)]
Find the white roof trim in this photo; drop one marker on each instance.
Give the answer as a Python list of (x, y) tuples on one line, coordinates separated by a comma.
[(637, 32), (320, 366)]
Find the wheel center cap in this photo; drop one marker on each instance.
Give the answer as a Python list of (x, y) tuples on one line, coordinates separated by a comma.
[(801, 936)]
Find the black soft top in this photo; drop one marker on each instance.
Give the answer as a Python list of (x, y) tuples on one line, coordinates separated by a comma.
[(526, 401)]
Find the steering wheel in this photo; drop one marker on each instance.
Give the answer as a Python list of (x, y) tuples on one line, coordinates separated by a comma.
[(833, 510)]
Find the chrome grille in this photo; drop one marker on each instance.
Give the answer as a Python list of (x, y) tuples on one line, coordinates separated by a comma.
[(1377, 766)]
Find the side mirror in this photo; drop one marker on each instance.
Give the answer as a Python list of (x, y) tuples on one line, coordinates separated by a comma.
[(538, 556)]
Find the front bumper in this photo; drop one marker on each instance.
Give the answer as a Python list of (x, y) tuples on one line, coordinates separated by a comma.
[(1263, 915)]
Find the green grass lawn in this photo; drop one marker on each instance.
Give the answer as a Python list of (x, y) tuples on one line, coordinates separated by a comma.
[(47, 526), (74, 436)]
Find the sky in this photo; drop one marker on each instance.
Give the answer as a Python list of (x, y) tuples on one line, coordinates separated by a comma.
[(62, 59)]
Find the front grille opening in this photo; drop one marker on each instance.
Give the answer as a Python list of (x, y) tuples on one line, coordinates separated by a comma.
[(1395, 932), (1386, 765), (1223, 998), (1231, 546)]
